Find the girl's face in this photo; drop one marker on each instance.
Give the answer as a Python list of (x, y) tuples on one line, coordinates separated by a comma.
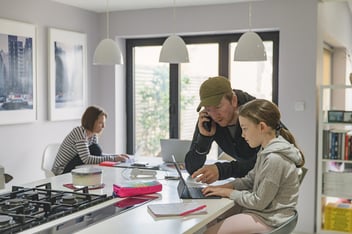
[(251, 132), (99, 124)]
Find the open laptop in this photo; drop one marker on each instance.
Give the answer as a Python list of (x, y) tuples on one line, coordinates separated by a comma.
[(176, 147), (188, 192)]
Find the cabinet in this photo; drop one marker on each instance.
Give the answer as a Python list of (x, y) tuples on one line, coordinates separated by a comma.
[(334, 178)]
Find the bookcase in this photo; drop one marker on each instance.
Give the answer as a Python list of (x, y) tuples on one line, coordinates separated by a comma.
[(334, 169)]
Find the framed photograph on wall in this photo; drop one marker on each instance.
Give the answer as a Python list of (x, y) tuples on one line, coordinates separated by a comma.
[(67, 74), (17, 72), (335, 116), (347, 117)]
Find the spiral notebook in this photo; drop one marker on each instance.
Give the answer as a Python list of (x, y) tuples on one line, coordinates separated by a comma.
[(177, 209)]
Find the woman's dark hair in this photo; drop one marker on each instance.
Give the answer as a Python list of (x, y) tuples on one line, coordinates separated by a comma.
[(261, 110), (91, 114)]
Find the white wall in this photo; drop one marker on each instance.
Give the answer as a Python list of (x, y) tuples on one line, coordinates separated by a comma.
[(22, 145), (299, 72)]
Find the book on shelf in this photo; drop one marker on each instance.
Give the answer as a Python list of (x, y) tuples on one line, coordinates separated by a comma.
[(177, 209), (337, 183), (337, 144), (338, 217)]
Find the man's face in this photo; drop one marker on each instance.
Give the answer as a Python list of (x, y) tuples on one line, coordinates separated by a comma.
[(225, 113)]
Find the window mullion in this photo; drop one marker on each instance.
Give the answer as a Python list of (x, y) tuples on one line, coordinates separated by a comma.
[(174, 101)]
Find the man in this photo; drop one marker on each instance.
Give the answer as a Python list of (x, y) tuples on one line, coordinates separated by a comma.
[(220, 114)]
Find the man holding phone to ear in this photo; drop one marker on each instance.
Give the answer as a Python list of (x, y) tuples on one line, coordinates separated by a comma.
[(218, 121)]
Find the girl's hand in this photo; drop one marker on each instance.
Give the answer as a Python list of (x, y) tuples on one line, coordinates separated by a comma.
[(217, 191)]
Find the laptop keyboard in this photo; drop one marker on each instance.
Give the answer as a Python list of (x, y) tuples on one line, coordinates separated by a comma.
[(195, 192)]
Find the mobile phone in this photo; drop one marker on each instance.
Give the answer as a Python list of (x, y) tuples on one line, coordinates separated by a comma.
[(140, 164), (207, 124)]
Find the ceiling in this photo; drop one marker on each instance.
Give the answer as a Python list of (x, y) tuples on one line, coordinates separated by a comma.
[(122, 5)]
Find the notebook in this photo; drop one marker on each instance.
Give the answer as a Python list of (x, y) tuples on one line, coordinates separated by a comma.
[(176, 147), (189, 192)]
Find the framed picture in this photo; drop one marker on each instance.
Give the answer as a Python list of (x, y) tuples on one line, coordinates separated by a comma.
[(347, 117), (17, 72), (335, 116), (68, 74)]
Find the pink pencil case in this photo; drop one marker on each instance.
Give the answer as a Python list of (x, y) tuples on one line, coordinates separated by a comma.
[(133, 188)]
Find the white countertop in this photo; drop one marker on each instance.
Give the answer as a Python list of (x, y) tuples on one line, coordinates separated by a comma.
[(139, 219)]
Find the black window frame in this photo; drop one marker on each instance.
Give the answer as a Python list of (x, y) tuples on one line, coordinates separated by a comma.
[(223, 40)]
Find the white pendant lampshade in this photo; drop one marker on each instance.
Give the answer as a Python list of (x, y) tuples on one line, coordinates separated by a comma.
[(107, 53), (174, 50), (250, 47)]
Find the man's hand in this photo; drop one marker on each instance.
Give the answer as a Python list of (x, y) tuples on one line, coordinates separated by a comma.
[(202, 118), (207, 174)]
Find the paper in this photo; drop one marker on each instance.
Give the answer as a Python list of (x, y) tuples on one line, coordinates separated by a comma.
[(178, 209)]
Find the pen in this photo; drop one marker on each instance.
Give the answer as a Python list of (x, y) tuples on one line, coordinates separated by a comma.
[(193, 210)]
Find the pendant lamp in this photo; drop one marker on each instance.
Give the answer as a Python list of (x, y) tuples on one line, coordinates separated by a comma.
[(107, 51), (174, 49), (250, 46)]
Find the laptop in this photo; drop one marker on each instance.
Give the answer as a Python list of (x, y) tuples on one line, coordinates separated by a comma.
[(176, 147), (189, 192)]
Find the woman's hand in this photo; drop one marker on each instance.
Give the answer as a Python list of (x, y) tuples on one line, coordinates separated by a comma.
[(221, 190), (121, 158)]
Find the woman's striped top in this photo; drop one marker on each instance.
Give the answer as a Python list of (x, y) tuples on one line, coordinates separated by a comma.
[(76, 143)]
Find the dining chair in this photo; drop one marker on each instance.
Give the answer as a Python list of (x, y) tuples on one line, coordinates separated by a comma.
[(287, 227), (49, 155)]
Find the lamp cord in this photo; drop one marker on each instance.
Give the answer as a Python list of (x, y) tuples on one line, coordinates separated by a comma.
[(250, 16), (107, 19), (174, 17)]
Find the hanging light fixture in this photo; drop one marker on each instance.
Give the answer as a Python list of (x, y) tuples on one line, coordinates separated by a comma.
[(250, 46), (107, 51), (174, 49)]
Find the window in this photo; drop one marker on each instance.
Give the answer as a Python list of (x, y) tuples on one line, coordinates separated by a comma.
[(162, 98)]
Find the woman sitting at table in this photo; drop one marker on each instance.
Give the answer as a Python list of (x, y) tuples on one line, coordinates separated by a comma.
[(268, 194), (81, 145)]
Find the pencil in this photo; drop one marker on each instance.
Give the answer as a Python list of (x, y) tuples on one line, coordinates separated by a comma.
[(193, 210)]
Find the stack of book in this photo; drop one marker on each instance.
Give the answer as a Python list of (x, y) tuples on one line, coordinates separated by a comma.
[(338, 217), (337, 183), (337, 144)]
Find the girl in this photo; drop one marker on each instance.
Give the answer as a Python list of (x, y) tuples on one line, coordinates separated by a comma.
[(268, 194)]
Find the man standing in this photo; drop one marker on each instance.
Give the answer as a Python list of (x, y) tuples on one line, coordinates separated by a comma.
[(218, 121)]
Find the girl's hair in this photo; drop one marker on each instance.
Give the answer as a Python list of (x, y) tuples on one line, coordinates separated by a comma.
[(261, 110), (91, 114)]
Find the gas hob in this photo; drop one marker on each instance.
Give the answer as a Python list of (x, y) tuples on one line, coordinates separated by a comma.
[(25, 208)]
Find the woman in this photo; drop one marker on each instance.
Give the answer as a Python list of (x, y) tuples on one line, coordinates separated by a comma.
[(81, 145), (268, 194)]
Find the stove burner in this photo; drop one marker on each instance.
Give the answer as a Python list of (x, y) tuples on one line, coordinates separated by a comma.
[(69, 199), (31, 195), (5, 220), (16, 202)]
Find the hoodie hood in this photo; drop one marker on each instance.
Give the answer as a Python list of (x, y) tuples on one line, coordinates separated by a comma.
[(281, 146)]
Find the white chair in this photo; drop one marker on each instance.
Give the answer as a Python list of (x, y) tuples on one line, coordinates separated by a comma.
[(49, 155)]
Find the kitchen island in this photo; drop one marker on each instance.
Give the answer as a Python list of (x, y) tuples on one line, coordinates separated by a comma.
[(135, 220)]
